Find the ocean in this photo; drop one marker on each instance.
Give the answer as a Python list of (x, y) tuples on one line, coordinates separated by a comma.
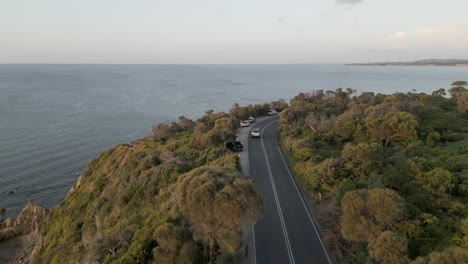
[(55, 118)]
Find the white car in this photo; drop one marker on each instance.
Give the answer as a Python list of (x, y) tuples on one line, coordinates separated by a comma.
[(255, 132), (252, 119), (272, 112), (244, 123)]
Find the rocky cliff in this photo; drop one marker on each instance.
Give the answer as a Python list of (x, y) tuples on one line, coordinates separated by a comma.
[(20, 238)]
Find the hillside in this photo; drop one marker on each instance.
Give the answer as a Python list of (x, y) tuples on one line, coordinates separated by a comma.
[(175, 197)]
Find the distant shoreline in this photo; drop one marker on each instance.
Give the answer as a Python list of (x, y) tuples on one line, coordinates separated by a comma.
[(425, 65), (430, 62)]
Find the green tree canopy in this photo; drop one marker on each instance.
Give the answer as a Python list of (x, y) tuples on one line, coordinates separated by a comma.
[(384, 126), (459, 83), (389, 248), (456, 255), (437, 183), (457, 90), (239, 112), (363, 159), (215, 201), (367, 213), (175, 245), (464, 228), (325, 175), (462, 102)]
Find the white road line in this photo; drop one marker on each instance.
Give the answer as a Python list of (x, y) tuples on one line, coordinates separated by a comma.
[(280, 212), (254, 249), (303, 203)]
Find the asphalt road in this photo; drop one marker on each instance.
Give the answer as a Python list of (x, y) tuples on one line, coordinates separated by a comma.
[(286, 233)]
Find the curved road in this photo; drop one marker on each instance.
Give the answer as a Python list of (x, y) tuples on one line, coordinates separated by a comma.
[(286, 233)]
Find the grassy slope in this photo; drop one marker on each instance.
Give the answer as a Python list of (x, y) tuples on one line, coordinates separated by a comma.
[(111, 215)]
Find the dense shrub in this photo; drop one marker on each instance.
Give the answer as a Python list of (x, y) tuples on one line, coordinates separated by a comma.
[(345, 147), (452, 137)]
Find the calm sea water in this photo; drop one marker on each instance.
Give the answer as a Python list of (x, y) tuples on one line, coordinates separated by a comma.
[(55, 118)]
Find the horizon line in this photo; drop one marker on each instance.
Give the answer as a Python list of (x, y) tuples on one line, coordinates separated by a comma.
[(92, 63)]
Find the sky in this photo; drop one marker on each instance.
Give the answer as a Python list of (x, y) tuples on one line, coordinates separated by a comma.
[(231, 31)]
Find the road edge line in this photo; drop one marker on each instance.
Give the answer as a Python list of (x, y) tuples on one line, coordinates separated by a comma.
[(300, 195), (254, 247)]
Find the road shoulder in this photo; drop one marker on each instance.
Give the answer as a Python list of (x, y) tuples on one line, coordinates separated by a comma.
[(248, 244)]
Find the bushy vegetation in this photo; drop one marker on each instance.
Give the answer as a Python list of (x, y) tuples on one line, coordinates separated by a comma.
[(390, 172), (176, 196)]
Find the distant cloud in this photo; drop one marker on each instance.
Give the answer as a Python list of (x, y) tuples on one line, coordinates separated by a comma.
[(283, 19), (453, 35), (399, 35), (348, 1)]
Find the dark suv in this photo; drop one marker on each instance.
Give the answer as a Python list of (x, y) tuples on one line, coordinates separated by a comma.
[(234, 145)]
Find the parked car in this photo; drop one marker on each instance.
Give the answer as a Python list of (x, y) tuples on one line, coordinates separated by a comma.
[(255, 132), (244, 123), (272, 112), (252, 119), (234, 145)]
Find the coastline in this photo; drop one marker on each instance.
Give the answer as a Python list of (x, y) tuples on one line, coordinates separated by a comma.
[(395, 65), (426, 62)]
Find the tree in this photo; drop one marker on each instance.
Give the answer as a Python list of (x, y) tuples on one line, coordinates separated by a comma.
[(456, 92), (363, 159), (458, 88), (163, 131), (344, 186), (440, 92), (186, 123), (464, 228), (459, 83), (300, 106), (239, 112), (223, 130), (432, 138), (455, 255), (345, 124), (390, 127), (389, 248), (437, 183), (278, 105), (462, 187), (175, 245), (324, 175), (462, 102), (367, 213), (215, 201), (314, 122), (340, 98)]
